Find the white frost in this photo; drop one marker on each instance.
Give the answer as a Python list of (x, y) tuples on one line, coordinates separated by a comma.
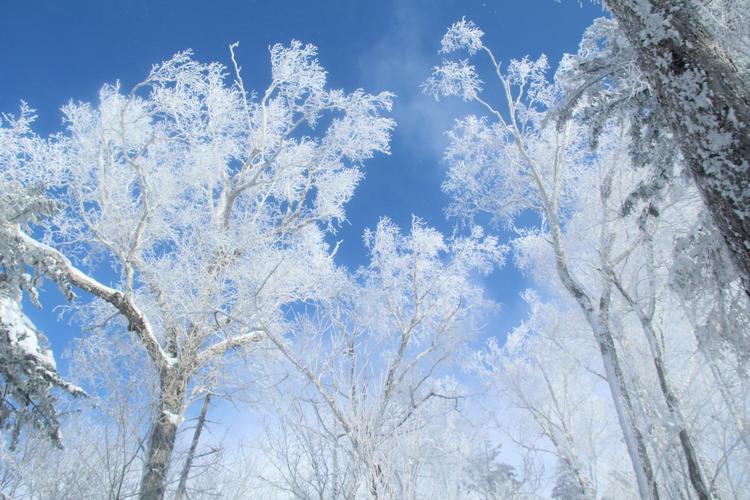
[(21, 331), (172, 418)]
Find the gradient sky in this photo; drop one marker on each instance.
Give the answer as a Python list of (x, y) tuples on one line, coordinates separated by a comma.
[(54, 51)]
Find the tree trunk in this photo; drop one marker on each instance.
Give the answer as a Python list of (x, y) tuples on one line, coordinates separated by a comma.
[(163, 434), (696, 471), (695, 468), (706, 104), (634, 441), (636, 446), (181, 487)]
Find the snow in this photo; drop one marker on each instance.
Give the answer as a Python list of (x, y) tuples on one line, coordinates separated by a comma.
[(21, 331), (172, 418), (462, 35)]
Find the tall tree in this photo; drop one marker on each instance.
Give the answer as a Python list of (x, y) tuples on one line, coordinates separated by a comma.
[(28, 373), (200, 201), (517, 160), (371, 362)]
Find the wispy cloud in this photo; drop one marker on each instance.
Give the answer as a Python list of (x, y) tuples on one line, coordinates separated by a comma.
[(400, 62)]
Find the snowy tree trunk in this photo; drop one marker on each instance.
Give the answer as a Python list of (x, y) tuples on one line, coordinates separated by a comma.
[(703, 98), (695, 467), (163, 434), (634, 441), (599, 323)]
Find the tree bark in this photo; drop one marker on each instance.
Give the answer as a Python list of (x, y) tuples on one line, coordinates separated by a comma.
[(163, 434), (695, 468), (702, 95)]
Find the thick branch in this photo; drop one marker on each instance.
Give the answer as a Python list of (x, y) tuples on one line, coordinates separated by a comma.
[(138, 322)]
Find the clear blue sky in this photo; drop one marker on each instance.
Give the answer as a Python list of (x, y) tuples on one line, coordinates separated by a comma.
[(53, 51)]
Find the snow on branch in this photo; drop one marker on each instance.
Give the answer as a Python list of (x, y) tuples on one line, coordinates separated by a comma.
[(122, 302)]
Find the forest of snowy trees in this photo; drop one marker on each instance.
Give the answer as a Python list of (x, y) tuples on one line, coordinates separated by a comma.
[(190, 223)]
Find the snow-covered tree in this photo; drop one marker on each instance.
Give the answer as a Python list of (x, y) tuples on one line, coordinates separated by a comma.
[(602, 80), (507, 163), (599, 213), (27, 367), (548, 385), (487, 477), (190, 200), (567, 486), (372, 401), (104, 434)]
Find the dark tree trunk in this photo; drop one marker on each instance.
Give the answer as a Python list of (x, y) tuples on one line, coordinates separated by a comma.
[(695, 468), (706, 104), (163, 434)]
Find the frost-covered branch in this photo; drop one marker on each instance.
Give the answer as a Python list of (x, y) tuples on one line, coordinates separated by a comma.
[(137, 321)]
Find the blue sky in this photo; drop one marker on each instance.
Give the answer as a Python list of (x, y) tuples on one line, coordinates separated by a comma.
[(53, 51)]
